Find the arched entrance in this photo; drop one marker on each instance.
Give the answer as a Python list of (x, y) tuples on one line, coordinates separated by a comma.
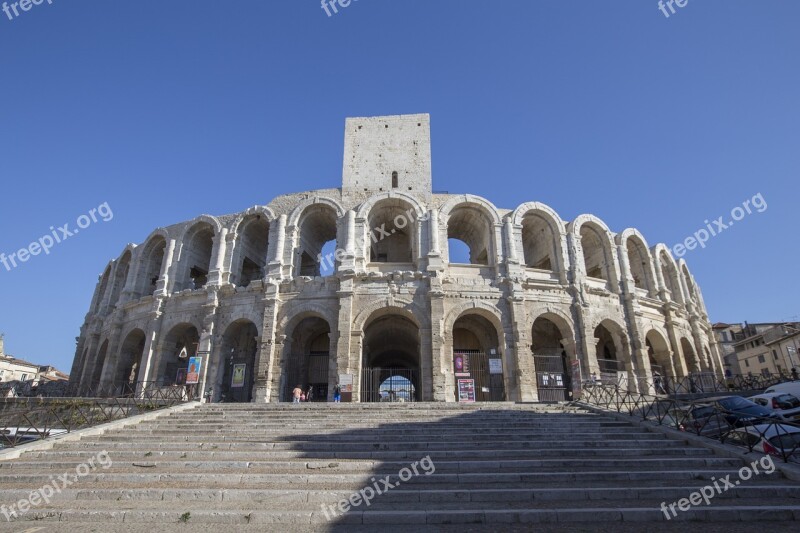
[(390, 360), (179, 344), (308, 361), (477, 360), (239, 347), (611, 350), (130, 362), (552, 364)]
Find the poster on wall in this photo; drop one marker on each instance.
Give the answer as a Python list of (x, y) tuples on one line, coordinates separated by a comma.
[(193, 373), (495, 366), (346, 382), (237, 380), (461, 363), (466, 390)]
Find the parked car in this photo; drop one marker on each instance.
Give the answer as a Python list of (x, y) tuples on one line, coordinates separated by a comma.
[(790, 387), (772, 439), (781, 403), (698, 418), (738, 411)]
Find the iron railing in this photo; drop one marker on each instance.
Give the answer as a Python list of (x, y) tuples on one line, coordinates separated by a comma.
[(27, 419), (773, 435)]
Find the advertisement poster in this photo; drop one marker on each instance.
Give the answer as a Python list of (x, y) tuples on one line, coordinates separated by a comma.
[(466, 390), (461, 363), (193, 374), (346, 382), (237, 381)]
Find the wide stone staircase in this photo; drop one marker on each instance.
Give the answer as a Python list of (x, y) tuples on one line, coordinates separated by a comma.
[(483, 467)]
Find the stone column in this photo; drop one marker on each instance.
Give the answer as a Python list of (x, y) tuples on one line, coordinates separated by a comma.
[(218, 255), (268, 371), (348, 349), (163, 283), (275, 267)]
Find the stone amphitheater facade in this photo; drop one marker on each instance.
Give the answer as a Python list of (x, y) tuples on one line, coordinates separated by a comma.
[(358, 281)]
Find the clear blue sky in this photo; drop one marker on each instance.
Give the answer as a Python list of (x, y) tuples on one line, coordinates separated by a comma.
[(170, 109)]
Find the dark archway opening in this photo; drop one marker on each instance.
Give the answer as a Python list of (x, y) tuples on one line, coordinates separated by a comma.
[(390, 361)]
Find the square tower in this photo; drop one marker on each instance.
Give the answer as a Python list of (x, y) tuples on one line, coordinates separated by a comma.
[(387, 154)]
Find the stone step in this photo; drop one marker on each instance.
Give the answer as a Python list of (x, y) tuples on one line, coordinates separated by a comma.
[(488, 515), (524, 446), (383, 467), (402, 495), (61, 453), (354, 480)]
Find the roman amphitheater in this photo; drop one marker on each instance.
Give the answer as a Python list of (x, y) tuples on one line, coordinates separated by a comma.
[(356, 287)]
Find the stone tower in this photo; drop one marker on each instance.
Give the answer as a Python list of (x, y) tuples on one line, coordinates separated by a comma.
[(387, 153)]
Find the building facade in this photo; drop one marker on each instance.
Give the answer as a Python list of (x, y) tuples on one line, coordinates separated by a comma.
[(356, 284)]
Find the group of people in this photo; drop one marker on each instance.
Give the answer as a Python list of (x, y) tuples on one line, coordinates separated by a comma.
[(299, 395)]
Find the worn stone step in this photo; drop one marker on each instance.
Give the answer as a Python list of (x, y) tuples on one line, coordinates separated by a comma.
[(567, 515), (81, 454), (383, 467)]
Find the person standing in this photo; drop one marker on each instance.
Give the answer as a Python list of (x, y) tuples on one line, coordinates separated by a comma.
[(337, 394), (296, 394)]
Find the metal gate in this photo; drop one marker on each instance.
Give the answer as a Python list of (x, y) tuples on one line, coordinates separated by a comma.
[(488, 387), (310, 372), (552, 379), (389, 385)]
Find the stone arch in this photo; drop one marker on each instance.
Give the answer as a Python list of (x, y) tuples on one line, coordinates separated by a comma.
[(399, 306), (594, 249), (690, 356), (659, 354), (182, 335), (542, 236), (267, 213), (392, 228), (130, 360), (688, 280), (316, 225), (97, 368), (391, 356), (239, 346), (250, 248), (300, 210), (122, 269), (669, 273), (149, 264), (102, 289), (305, 361), (477, 336), (196, 253), (612, 349), (473, 221), (640, 262), (292, 313), (484, 309)]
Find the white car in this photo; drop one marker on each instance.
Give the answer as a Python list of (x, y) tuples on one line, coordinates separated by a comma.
[(786, 405), (790, 387), (772, 439)]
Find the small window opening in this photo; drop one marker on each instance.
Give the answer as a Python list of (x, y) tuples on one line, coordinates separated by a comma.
[(395, 180)]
